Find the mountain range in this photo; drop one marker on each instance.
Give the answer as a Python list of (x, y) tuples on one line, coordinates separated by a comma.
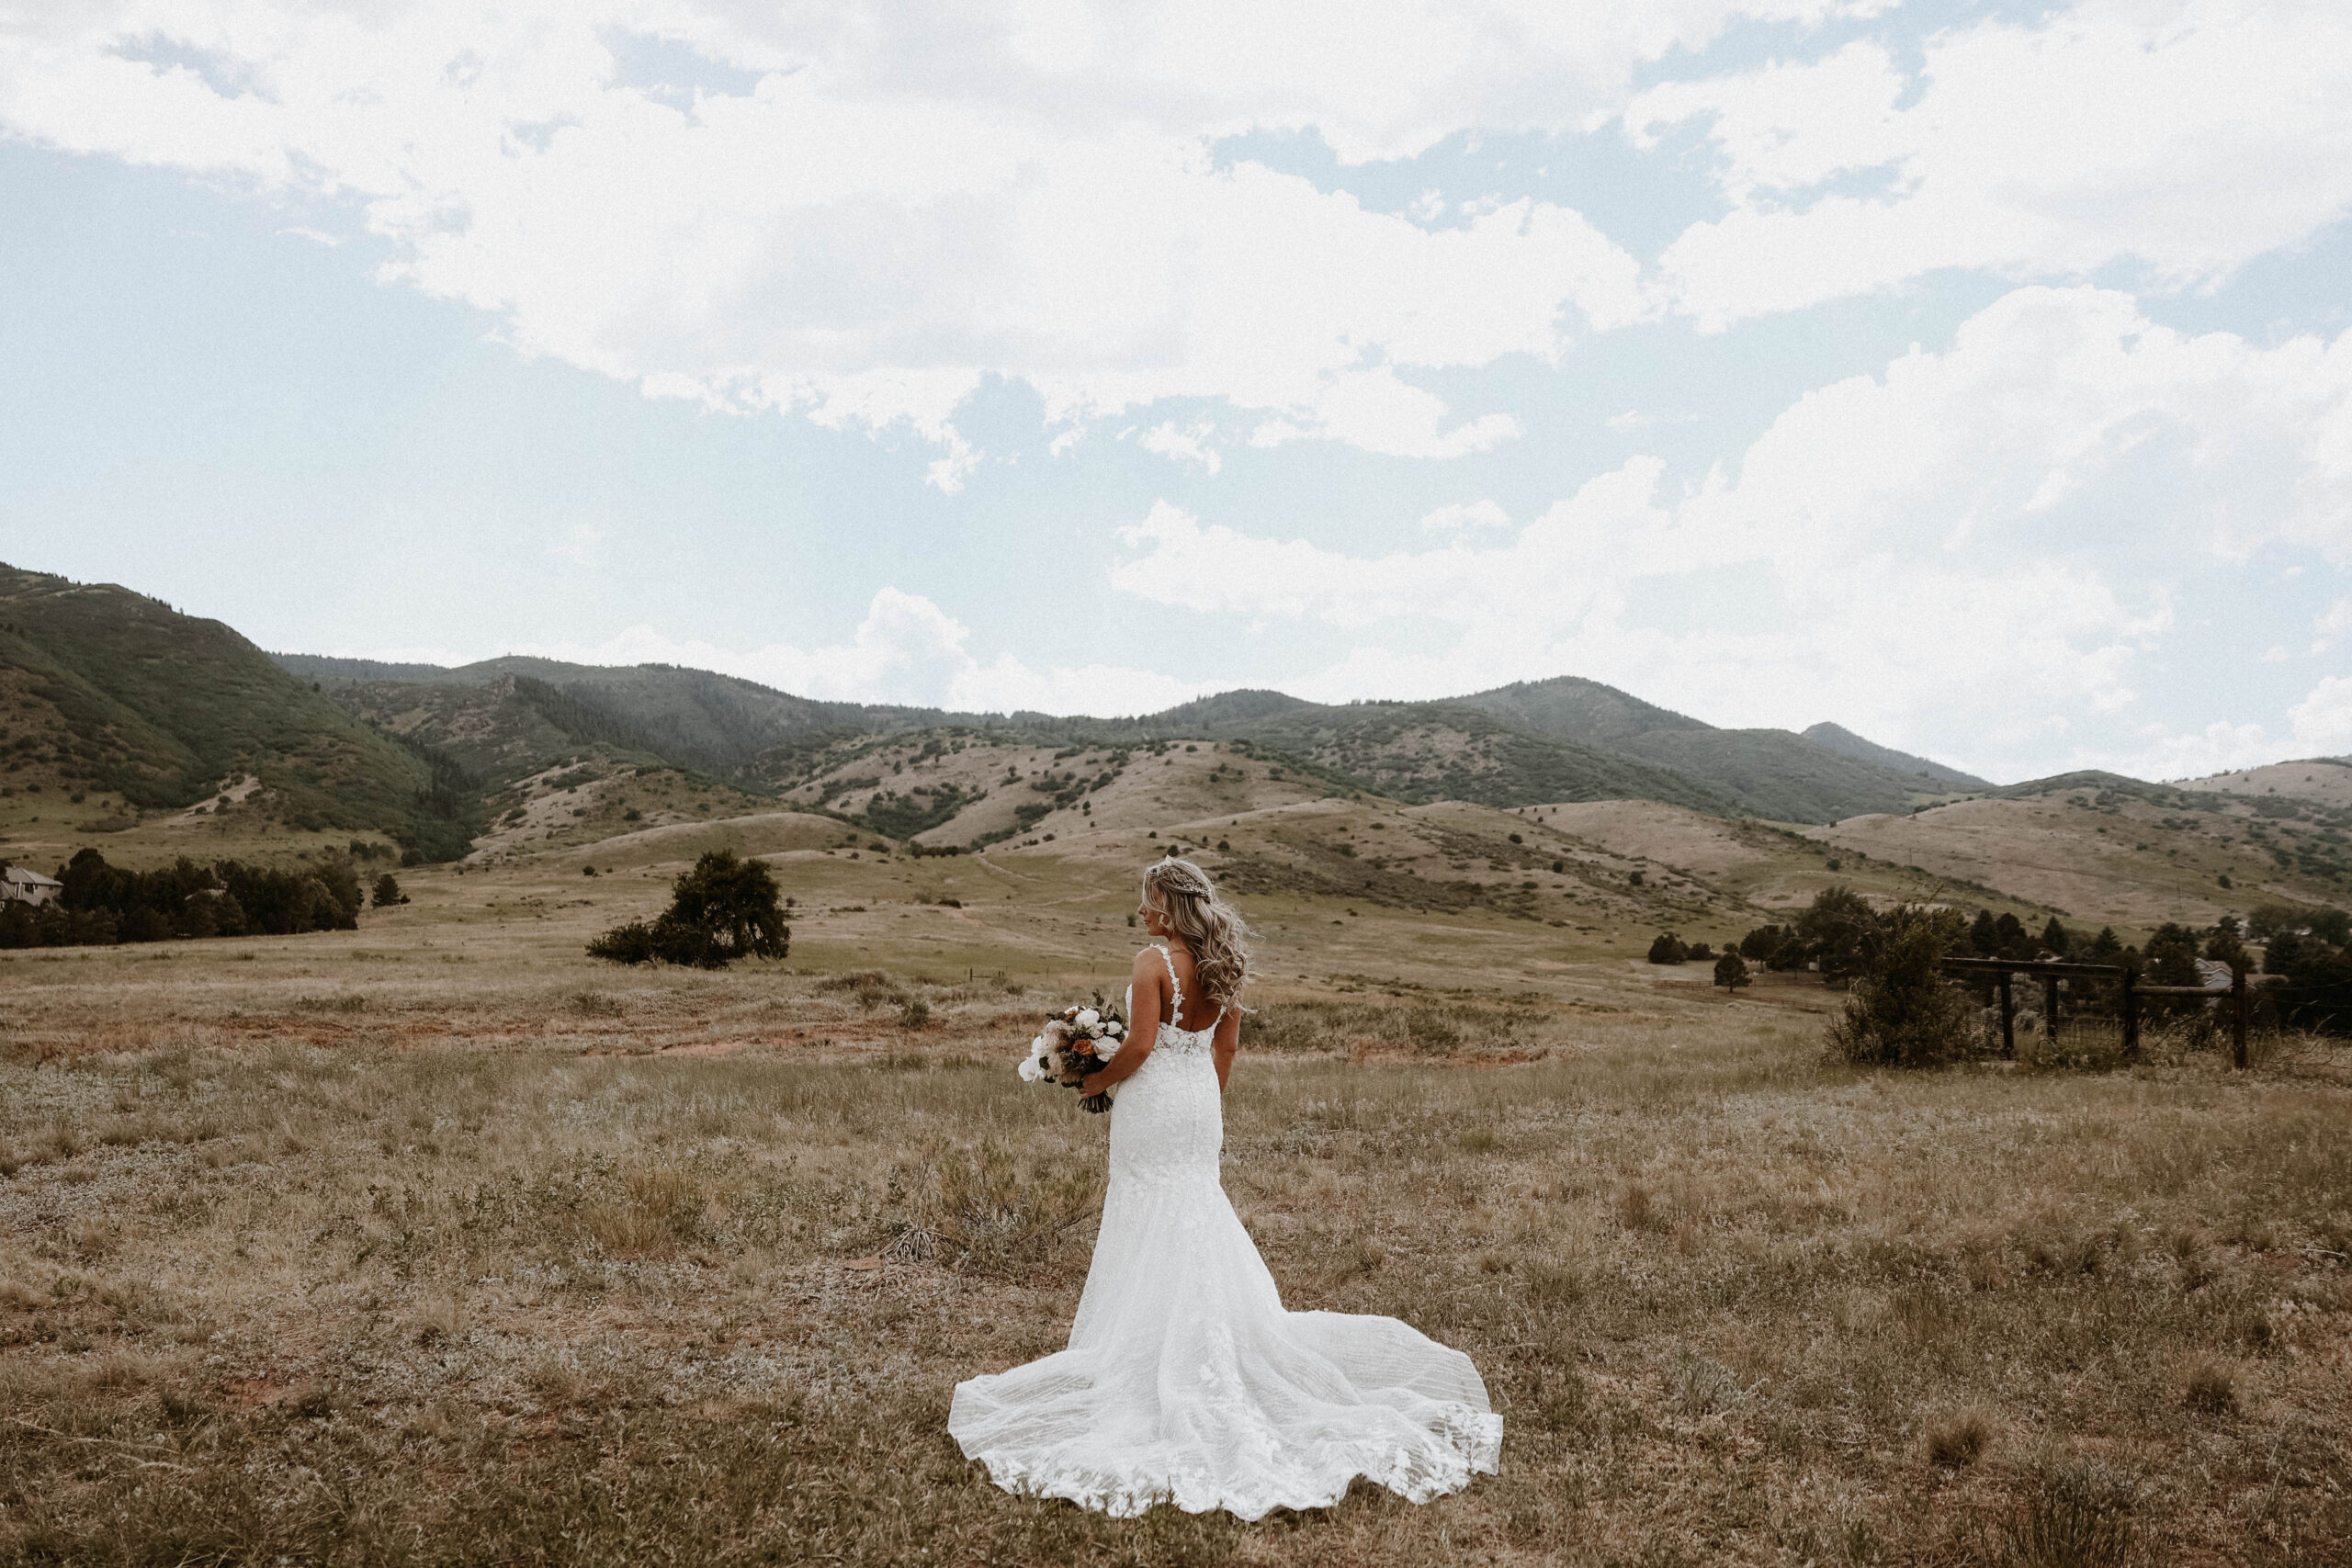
[(105, 689)]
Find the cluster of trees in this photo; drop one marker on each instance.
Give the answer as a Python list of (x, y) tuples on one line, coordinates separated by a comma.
[(1837, 932), (1672, 949), (2311, 950), (723, 908), (100, 905)]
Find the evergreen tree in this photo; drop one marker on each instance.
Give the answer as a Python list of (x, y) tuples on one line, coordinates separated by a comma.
[(1983, 936), (1840, 929), (1904, 1012), (2224, 947), (388, 891), (2054, 938), (2105, 947), (1667, 949), (2011, 941), (1731, 971)]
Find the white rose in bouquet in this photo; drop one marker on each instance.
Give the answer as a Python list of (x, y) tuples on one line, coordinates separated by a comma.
[(1088, 1018)]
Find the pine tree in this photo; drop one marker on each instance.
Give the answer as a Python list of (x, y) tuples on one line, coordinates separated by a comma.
[(2054, 938), (1982, 937)]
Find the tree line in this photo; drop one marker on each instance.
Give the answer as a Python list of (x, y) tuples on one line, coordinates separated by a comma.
[(1905, 1012), (100, 905)]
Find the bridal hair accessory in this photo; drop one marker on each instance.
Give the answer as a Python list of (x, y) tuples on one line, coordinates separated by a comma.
[(1212, 928), (1075, 1041)]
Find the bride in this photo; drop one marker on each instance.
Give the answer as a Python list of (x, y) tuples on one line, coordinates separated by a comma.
[(1185, 1380)]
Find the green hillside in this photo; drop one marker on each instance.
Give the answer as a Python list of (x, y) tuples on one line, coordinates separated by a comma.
[(1778, 774), (1570, 708), (1565, 739), (1424, 751), (1839, 738), (111, 691)]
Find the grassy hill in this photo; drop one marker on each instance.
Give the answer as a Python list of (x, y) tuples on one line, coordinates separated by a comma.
[(115, 695), (1778, 775), (2322, 780), (1845, 742), (1545, 740), (1571, 708)]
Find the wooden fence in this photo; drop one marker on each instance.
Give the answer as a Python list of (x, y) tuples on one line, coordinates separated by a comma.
[(2051, 973)]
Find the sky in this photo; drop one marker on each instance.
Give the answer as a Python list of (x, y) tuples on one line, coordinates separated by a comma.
[(1975, 375)]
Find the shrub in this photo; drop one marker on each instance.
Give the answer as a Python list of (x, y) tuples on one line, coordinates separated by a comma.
[(2211, 1390), (1960, 1439), (1904, 1014), (2073, 1517), (724, 908), (1667, 949)]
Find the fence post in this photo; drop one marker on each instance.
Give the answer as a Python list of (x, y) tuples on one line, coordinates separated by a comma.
[(2237, 1015), (2049, 1007), (2131, 1016), (2008, 1032)]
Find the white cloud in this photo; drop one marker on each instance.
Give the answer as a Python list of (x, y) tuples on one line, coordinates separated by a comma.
[(2331, 625), (907, 649), (2219, 747), (1991, 533), (2322, 720), (2191, 136), (891, 204), (1470, 514), (1190, 444)]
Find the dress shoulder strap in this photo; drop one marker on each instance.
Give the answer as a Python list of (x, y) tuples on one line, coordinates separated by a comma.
[(1175, 984)]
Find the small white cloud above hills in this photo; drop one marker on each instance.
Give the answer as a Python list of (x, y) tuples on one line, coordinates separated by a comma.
[(906, 650)]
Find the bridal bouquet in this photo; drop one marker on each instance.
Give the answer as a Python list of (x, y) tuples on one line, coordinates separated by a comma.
[(1074, 1043)]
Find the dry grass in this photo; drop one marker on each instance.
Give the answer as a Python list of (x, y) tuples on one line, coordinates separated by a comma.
[(523, 1259)]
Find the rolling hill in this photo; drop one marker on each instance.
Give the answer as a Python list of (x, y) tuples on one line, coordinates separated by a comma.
[(114, 692), (1561, 739), (111, 693), (1845, 742)]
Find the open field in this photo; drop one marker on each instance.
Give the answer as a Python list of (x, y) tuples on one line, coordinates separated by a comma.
[(435, 1242)]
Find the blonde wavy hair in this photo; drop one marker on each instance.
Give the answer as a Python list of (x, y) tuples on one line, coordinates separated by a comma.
[(1211, 927)]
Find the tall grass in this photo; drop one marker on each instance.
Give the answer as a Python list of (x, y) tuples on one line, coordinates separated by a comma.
[(358, 1305)]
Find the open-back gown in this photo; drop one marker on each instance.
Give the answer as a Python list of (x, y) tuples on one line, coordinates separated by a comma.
[(1185, 1380)]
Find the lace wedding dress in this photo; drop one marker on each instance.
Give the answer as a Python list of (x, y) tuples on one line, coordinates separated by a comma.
[(1185, 1380)]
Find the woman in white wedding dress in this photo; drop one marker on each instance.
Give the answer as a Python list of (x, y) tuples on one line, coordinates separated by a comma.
[(1185, 1380)]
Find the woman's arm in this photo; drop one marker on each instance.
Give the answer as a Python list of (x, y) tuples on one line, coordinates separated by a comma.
[(1148, 983), (1227, 1041)]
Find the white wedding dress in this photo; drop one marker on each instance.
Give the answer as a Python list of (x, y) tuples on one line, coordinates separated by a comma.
[(1185, 1380)]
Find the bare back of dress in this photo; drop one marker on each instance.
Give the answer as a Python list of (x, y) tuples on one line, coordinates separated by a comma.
[(1185, 1379)]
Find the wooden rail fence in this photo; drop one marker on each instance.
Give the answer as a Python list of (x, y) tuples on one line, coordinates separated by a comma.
[(2051, 971)]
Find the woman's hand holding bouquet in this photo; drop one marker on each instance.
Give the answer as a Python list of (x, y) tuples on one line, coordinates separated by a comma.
[(1074, 1043)]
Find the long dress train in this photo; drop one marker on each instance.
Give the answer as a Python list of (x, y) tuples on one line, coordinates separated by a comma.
[(1185, 1379)]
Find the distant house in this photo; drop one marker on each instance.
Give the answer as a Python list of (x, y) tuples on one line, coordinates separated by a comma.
[(21, 886)]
